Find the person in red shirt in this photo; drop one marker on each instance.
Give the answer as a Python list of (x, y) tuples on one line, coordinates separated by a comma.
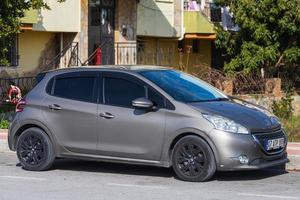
[(14, 93)]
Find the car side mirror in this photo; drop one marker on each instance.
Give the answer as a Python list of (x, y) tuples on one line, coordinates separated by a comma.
[(142, 103)]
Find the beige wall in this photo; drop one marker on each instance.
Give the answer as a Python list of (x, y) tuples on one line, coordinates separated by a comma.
[(159, 51), (198, 60), (35, 50), (126, 15), (159, 18), (63, 17)]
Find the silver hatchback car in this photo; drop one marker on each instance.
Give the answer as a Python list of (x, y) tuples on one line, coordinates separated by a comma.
[(143, 115)]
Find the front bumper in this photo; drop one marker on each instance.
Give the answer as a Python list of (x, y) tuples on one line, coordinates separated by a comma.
[(231, 146)]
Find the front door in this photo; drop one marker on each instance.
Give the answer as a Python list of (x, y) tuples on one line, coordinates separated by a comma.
[(101, 29), (123, 130), (107, 32)]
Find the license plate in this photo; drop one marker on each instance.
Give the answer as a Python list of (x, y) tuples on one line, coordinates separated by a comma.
[(274, 144)]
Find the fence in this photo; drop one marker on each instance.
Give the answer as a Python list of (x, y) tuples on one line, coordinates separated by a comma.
[(240, 83), (24, 83)]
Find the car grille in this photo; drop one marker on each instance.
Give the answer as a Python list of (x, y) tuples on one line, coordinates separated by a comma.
[(262, 138)]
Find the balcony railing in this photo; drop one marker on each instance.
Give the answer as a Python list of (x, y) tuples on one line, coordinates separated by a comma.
[(210, 10), (125, 53), (66, 58)]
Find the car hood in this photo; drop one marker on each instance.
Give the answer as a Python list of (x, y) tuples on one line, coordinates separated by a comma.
[(248, 116)]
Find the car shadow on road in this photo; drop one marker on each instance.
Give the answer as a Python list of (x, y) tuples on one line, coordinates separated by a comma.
[(115, 168), (126, 169), (248, 175)]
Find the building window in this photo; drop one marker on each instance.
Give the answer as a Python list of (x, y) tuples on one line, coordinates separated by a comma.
[(12, 51)]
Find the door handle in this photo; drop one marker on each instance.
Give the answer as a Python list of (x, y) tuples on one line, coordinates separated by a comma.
[(55, 107), (107, 115)]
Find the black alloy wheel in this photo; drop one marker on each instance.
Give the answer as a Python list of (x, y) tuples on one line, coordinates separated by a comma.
[(34, 150), (193, 160)]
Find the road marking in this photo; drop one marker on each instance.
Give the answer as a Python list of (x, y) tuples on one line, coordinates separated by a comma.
[(12, 152), (137, 186), (23, 178), (267, 196)]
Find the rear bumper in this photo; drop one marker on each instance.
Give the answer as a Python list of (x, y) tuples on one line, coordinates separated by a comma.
[(11, 137)]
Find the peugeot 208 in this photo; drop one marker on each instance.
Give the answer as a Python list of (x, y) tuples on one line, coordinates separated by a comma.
[(143, 115)]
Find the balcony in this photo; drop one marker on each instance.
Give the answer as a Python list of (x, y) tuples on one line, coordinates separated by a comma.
[(208, 9), (198, 26), (30, 18)]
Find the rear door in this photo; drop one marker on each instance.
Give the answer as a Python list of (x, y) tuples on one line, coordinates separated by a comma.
[(123, 130), (70, 110)]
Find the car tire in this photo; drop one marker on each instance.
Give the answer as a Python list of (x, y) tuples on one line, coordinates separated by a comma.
[(193, 159), (35, 150)]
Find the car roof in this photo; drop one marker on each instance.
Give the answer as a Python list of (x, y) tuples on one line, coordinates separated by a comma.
[(128, 68)]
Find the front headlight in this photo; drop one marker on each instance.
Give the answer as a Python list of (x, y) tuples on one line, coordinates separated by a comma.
[(224, 124), (275, 120)]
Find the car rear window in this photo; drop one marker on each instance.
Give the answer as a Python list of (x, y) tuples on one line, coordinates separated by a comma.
[(75, 88)]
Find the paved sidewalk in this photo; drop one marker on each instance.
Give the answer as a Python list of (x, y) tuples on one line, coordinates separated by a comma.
[(293, 151)]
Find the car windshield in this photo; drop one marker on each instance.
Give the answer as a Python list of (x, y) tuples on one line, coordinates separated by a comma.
[(183, 87)]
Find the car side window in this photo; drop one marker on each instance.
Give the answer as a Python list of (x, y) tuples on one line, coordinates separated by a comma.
[(157, 99), (121, 92), (75, 88)]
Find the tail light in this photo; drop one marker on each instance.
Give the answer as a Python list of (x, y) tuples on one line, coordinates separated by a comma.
[(21, 105)]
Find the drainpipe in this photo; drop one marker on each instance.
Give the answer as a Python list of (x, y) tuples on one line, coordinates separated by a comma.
[(61, 49), (182, 21)]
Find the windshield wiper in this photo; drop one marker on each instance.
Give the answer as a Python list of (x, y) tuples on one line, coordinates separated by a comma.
[(209, 100)]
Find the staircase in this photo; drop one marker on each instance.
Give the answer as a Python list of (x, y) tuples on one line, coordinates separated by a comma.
[(67, 57)]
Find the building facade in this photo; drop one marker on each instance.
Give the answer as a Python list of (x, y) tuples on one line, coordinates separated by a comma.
[(124, 32)]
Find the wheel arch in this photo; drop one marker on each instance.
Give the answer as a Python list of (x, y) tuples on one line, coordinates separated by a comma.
[(201, 135), (32, 124)]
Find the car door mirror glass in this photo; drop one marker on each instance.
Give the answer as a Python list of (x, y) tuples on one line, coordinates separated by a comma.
[(142, 103)]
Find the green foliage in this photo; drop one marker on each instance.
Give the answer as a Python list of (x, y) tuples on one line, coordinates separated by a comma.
[(269, 34), (292, 128), (283, 108), (10, 13), (4, 124)]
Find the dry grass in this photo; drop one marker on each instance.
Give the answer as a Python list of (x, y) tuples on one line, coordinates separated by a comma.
[(292, 127)]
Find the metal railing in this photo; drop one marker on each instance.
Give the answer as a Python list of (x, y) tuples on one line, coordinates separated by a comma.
[(67, 57)]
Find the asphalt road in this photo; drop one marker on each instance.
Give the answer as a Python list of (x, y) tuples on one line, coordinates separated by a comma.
[(73, 179)]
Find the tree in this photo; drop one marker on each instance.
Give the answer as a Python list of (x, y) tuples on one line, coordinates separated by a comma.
[(11, 11), (269, 34)]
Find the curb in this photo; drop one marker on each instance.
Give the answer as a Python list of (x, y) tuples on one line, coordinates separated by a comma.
[(294, 164), (3, 141)]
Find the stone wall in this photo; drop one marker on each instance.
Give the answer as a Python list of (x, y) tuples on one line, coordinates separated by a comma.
[(267, 101)]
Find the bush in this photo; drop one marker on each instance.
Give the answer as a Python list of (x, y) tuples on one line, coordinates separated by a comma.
[(4, 124), (292, 127), (283, 108)]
